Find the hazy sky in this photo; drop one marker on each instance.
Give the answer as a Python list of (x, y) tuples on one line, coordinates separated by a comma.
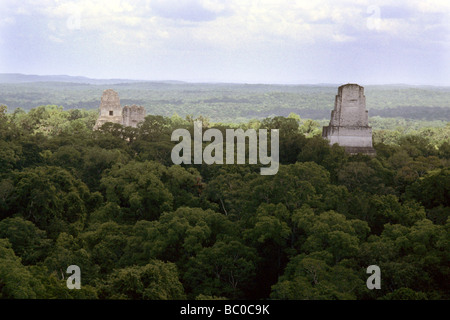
[(273, 41)]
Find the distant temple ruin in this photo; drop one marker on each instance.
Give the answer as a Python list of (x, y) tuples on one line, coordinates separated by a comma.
[(111, 111), (349, 124)]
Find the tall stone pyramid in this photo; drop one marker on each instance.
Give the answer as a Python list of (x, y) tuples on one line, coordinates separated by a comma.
[(349, 124)]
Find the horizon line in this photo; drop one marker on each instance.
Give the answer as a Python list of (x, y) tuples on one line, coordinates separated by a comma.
[(312, 83)]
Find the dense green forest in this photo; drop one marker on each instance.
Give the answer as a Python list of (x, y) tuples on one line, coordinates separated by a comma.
[(139, 227)]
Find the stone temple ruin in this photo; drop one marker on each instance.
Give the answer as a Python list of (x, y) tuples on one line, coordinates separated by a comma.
[(349, 124), (111, 111)]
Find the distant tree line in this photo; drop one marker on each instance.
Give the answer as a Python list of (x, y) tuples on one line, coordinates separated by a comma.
[(232, 102)]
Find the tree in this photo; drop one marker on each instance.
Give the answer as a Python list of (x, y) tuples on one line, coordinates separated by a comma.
[(10, 154), (410, 257), (405, 294), (230, 188), (27, 241), (105, 245), (50, 197), (155, 128), (96, 160), (433, 190), (156, 280), (311, 277), (178, 235), (293, 185), (16, 281), (137, 188), (185, 185), (388, 208), (269, 232), (225, 269), (356, 175), (68, 251), (291, 139), (332, 232)]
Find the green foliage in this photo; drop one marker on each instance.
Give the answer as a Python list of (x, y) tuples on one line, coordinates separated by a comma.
[(156, 280), (238, 102), (112, 202), (432, 190), (224, 269), (137, 188), (405, 294), (27, 241), (16, 281), (310, 277), (50, 197)]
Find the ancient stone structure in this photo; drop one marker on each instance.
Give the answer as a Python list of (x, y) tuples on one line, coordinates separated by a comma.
[(111, 111), (132, 115), (349, 124)]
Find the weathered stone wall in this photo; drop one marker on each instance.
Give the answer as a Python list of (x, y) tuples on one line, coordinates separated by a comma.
[(110, 109), (349, 136), (350, 107), (133, 115), (349, 124)]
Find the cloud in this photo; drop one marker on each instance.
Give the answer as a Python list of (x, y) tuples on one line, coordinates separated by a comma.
[(235, 23), (190, 10), (212, 31)]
